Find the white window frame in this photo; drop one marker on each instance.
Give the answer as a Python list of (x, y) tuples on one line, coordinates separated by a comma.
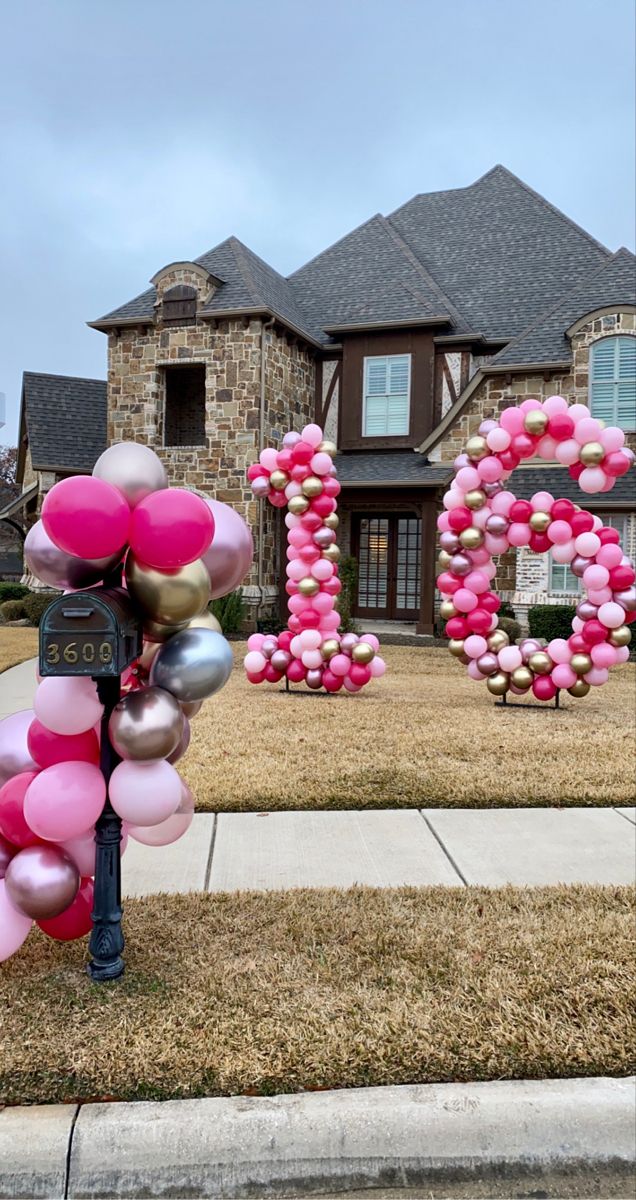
[(615, 381), (387, 357)]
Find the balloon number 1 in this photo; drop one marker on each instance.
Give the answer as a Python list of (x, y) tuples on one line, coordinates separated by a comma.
[(99, 634)]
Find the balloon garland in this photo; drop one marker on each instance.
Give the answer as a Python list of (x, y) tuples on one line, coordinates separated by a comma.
[(179, 550), (483, 519), (302, 478)]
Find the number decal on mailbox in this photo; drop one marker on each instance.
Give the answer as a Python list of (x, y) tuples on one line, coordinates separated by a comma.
[(52, 653), (70, 653), (105, 652)]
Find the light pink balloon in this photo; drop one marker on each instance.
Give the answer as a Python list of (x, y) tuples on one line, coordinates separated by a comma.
[(595, 577), (81, 850), (622, 654), (511, 419), (64, 800), (14, 751), (475, 646), (268, 458), (578, 412), (519, 533), (599, 596), (371, 640), (587, 544), (509, 658), (609, 555), (473, 672), (546, 448), (464, 600), (477, 582), (310, 639), (592, 479), (542, 501), (312, 434), (587, 430), (340, 664), (145, 793), (312, 659), (559, 651), (67, 704), (567, 452), (321, 464), (611, 615), (502, 503), (377, 667), (496, 545), (555, 404), (490, 469), (559, 532), (254, 662), (597, 676), (563, 676), (321, 570), (14, 926), (565, 552), (467, 479), (170, 830), (612, 439), (255, 641), (498, 439)]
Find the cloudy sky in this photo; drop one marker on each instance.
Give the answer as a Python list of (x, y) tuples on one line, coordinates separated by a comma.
[(136, 132)]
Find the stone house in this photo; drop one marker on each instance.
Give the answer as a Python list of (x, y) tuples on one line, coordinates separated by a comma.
[(399, 339)]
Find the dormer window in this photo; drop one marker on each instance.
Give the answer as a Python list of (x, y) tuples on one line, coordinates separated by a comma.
[(179, 305), (613, 381), (387, 386)]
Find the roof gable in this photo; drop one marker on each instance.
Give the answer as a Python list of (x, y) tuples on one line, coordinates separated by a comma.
[(65, 420)]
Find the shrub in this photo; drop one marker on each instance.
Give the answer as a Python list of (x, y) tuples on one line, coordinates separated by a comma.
[(507, 610), (12, 591), (346, 598), (35, 605), (551, 621), (13, 610), (229, 611), (511, 627), (272, 625)]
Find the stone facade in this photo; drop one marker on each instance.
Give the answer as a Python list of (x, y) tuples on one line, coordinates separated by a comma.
[(523, 577), (231, 352)]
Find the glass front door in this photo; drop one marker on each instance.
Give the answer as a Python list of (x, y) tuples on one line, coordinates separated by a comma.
[(388, 549)]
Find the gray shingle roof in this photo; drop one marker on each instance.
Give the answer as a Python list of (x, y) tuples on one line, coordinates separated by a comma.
[(525, 481), (613, 283), (397, 466), (500, 250), (65, 420)]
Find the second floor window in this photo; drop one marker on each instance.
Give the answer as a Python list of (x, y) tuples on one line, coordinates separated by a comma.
[(387, 385), (613, 381)]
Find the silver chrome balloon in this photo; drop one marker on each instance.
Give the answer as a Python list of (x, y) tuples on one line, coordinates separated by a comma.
[(133, 469), (193, 664), (146, 724)]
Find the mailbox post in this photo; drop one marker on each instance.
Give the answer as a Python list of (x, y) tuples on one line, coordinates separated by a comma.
[(97, 633)]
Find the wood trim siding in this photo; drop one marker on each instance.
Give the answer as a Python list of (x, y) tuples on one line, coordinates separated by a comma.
[(419, 344)]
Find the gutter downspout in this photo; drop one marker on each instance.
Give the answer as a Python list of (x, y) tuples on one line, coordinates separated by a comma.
[(261, 507)]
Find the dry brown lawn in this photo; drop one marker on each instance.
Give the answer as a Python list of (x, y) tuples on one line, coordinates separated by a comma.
[(17, 643), (253, 993), (425, 734)]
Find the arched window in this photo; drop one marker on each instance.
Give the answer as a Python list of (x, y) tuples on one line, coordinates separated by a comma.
[(613, 381), (179, 305)]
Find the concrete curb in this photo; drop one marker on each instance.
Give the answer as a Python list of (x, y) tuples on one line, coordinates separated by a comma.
[(427, 1136)]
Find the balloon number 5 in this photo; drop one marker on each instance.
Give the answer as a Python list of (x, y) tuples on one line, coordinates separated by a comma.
[(483, 519)]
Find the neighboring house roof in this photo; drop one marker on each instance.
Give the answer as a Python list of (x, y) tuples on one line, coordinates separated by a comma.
[(398, 467), (613, 283), (499, 249), (525, 481), (64, 419), (484, 260)]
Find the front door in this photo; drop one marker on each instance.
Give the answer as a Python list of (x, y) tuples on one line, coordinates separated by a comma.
[(388, 550)]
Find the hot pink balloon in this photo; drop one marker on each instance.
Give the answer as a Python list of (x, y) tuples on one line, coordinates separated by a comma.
[(67, 704), (87, 517), (171, 528), (229, 555), (65, 800)]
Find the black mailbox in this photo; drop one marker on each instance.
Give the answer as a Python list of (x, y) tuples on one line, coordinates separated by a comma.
[(96, 633)]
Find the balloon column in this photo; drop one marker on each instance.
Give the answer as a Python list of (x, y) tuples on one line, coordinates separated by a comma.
[(302, 478), (483, 519), (171, 550)]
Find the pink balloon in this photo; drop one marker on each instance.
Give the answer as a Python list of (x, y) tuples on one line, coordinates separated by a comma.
[(464, 600), (321, 464), (567, 452), (612, 439), (67, 704), (511, 419), (15, 756), (587, 430), (559, 532), (622, 654), (502, 503), (340, 664), (592, 479), (312, 659), (473, 672), (377, 667), (498, 439), (564, 553), (255, 641), (229, 556), (477, 582), (312, 434), (145, 793), (467, 479), (563, 675), (555, 404), (542, 502), (510, 658), (587, 544), (599, 596), (490, 469), (597, 676), (595, 577), (611, 615), (475, 646), (81, 850), (268, 458), (371, 640), (609, 556), (560, 652), (65, 800), (254, 661), (603, 654), (86, 516), (321, 570), (14, 926), (519, 534), (171, 528)]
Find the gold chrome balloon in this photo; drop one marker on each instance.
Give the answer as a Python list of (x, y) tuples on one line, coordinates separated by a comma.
[(621, 636), (471, 538), (540, 663), (477, 448), (592, 453), (312, 486), (308, 586), (327, 447), (154, 631), (205, 620), (332, 553), (456, 647), (330, 647), (279, 480), (539, 521), (447, 610), (499, 683), (362, 652), (298, 505), (579, 689), (497, 640), (332, 521), (535, 422), (581, 663), (475, 499), (443, 560), (522, 677), (168, 597)]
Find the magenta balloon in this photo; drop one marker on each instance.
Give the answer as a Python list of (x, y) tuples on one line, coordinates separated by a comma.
[(232, 549), (42, 882), (14, 927), (171, 528), (60, 570), (86, 517), (14, 751)]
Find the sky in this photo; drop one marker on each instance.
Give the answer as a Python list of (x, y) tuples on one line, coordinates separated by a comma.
[(138, 132)]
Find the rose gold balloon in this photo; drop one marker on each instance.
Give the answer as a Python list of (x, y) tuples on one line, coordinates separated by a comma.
[(184, 742), (231, 551), (324, 537), (146, 724), (280, 660), (190, 708), (41, 882), (168, 597), (488, 663), (7, 851), (347, 642), (51, 565), (313, 679), (133, 468)]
